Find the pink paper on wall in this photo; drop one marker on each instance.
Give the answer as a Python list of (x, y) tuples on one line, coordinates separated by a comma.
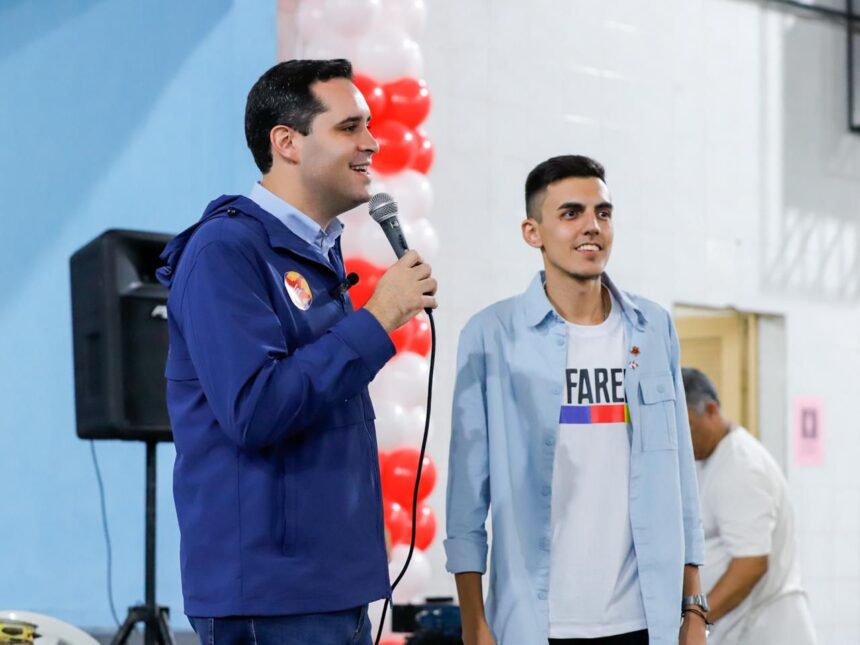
[(808, 432)]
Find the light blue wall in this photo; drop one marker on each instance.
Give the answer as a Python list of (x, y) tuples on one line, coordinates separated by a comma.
[(113, 113)]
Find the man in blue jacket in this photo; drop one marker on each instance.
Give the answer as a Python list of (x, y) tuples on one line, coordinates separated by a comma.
[(570, 426), (276, 478)]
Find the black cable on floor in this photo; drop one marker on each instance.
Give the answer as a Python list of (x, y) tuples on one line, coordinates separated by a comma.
[(417, 475), (106, 532)]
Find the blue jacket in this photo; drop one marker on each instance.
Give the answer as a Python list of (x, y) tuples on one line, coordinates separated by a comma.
[(276, 480)]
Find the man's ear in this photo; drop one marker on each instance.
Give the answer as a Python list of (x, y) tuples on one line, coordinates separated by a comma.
[(531, 233), (712, 408), (286, 143)]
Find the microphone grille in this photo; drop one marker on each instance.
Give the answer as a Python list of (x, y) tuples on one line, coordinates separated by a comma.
[(382, 206)]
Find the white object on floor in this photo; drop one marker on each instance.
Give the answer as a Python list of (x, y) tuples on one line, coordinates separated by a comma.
[(51, 630)]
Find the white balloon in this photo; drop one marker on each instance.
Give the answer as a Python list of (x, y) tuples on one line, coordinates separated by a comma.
[(413, 193), (350, 243), (330, 45), (391, 423), (409, 15), (383, 387), (421, 236), (403, 380), (412, 365), (355, 218), (352, 17), (388, 55), (417, 578), (372, 245), (355, 222), (376, 185), (310, 19), (412, 432)]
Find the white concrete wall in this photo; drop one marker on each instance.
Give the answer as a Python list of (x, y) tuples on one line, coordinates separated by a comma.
[(722, 127)]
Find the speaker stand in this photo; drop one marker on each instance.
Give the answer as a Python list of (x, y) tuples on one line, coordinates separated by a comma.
[(154, 618)]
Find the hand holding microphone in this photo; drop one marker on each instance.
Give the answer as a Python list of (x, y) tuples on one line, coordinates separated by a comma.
[(408, 286)]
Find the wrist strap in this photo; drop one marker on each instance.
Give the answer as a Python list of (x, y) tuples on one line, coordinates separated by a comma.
[(698, 612)]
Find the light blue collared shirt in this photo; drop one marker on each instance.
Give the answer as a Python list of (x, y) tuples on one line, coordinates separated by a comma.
[(321, 240), (504, 430)]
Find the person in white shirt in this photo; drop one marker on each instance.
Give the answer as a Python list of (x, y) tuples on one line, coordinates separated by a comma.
[(751, 567)]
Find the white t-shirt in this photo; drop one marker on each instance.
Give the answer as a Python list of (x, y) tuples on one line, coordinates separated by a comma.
[(594, 578), (746, 512)]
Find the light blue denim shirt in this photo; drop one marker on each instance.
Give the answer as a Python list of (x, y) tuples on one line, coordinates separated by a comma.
[(321, 240), (510, 368)]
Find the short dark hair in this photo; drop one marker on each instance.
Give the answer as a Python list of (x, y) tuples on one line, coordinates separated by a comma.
[(555, 169), (698, 389), (283, 96)]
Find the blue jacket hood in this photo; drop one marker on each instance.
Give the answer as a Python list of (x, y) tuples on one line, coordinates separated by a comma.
[(173, 251)]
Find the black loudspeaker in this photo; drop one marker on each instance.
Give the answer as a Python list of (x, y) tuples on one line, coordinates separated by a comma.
[(119, 327)]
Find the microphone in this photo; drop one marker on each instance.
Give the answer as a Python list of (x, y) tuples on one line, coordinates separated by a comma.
[(383, 209), (340, 289)]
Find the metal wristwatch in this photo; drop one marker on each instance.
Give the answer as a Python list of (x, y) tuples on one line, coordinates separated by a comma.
[(699, 599)]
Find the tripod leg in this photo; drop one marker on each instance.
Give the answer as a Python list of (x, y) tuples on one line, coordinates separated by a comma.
[(164, 632), (124, 631)]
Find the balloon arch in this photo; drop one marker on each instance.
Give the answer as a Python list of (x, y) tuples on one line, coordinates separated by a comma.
[(379, 37)]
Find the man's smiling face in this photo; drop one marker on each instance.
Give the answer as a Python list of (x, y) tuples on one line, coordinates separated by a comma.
[(572, 224)]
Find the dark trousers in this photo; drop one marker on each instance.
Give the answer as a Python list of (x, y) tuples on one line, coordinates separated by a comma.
[(350, 627), (633, 638)]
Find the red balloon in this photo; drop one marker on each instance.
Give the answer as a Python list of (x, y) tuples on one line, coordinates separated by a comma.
[(425, 527), (420, 340), (398, 521), (408, 101), (402, 337), (398, 146), (368, 275), (393, 640), (373, 93), (424, 157), (398, 477), (382, 457)]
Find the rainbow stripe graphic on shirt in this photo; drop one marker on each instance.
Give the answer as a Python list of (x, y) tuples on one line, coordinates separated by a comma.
[(594, 414)]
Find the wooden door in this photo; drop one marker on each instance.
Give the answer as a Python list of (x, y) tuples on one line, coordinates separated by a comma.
[(723, 344)]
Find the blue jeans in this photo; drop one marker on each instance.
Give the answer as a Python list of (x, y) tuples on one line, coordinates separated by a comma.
[(348, 627)]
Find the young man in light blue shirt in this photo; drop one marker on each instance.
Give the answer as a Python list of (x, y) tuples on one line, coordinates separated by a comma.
[(570, 423)]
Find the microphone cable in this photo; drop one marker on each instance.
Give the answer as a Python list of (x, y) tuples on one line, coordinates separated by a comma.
[(417, 476)]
